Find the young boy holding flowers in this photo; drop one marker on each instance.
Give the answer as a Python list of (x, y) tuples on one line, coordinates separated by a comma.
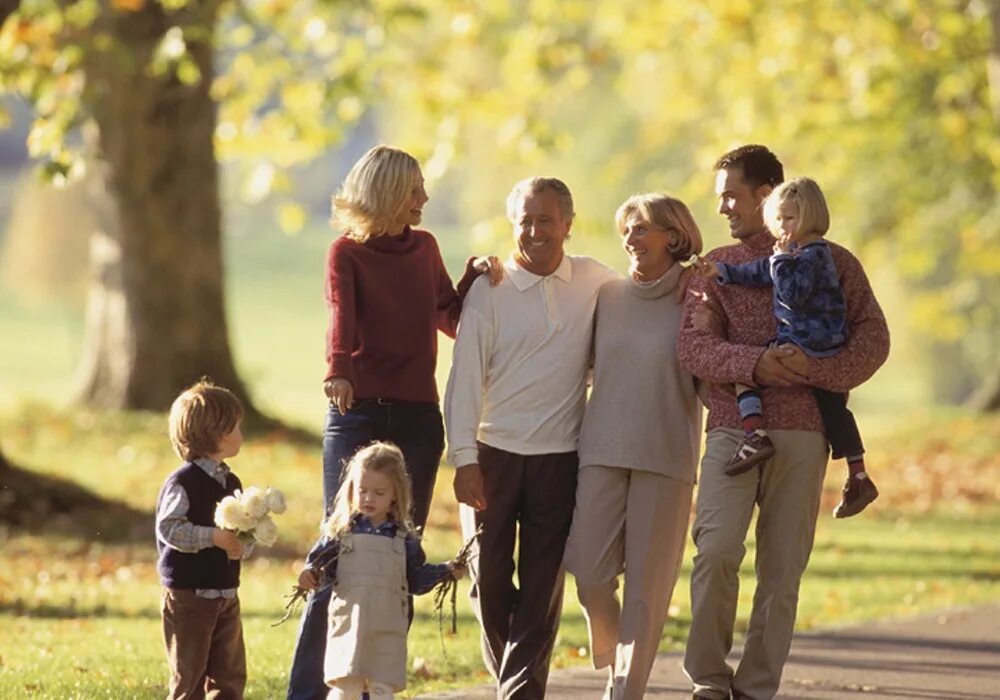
[(199, 564)]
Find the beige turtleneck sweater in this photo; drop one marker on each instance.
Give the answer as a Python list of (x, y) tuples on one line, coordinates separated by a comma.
[(643, 411)]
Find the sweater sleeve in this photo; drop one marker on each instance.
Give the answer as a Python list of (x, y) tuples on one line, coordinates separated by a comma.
[(752, 274), (341, 303), (707, 356), (449, 302), (867, 344)]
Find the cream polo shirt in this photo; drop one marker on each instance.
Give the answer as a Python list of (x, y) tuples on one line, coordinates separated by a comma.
[(518, 375)]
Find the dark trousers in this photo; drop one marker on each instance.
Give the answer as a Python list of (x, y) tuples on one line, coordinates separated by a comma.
[(839, 424), (204, 643), (416, 428), (536, 494)]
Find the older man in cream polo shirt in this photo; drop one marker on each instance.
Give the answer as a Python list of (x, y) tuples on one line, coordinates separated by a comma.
[(513, 408)]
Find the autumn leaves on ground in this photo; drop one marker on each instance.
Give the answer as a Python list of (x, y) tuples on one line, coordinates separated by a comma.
[(79, 594)]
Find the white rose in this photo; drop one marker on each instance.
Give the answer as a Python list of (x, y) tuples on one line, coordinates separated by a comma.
[(230, 514), (266, 532), (254, 500), (276, 501)]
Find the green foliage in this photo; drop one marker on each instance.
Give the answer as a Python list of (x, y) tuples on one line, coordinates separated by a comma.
[(886, 106)]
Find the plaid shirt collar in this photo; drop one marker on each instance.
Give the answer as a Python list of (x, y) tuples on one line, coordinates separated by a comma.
[(217, 470)]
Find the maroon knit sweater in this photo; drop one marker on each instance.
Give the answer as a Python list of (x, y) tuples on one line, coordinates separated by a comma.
[(750, 325), (388, 297)]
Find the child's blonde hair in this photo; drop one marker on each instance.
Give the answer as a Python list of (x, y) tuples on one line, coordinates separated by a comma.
[(374, 192), (200, 417), (814, 216), (382, 458)]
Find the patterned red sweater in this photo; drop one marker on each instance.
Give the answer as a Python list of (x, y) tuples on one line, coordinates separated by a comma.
[(750, 325)]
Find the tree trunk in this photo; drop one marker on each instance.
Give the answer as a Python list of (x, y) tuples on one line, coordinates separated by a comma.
[(156, 317), (986, 398)]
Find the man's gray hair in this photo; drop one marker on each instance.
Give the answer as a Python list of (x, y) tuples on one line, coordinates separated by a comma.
[(534, 185)]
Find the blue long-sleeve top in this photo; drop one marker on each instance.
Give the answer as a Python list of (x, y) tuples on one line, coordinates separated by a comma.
[(808, 302), (421, 577)]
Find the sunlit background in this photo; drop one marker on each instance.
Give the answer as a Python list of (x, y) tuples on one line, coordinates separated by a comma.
[(893, 107)]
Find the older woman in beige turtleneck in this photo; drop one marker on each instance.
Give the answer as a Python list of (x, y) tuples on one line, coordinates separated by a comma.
[(638, 447)]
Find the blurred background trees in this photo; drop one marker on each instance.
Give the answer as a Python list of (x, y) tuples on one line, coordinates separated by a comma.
[(894, 108)]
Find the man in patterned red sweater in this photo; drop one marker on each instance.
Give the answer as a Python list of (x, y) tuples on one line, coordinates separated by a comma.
[(787, 492)]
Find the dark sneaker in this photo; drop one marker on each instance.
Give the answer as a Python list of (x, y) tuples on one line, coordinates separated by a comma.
[(858, 492), (753, 449)]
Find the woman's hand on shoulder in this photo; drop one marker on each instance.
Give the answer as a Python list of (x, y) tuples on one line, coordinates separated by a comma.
[(706, 315), (340, 392), (489, 264)]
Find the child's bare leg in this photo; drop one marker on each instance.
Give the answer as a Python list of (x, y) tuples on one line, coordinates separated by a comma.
[(756, 447)]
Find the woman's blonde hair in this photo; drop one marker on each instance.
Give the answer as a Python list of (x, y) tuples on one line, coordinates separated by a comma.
[(382, 458), (668, 213), (200, 417), (814, 215), (374, 192)]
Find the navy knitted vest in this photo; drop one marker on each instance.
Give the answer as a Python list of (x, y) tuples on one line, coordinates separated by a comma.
[(211, 567)]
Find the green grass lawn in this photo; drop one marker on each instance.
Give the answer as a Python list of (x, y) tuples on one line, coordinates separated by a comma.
[(79, 595)]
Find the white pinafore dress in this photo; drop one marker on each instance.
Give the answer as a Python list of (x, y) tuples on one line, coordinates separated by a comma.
[(366, 635)]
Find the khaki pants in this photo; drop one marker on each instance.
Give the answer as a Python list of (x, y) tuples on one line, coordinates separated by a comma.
[(787, 492), (204, 641), (632, 522)]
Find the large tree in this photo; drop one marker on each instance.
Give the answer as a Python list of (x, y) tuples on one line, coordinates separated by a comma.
[(155, 316)]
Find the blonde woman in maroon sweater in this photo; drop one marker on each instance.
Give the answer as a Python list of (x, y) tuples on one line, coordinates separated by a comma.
[(389, 294)]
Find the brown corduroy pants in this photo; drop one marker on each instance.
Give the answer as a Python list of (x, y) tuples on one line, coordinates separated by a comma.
[(204, 643)]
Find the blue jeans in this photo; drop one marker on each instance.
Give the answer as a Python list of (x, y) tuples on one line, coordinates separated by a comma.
[(416, 428)]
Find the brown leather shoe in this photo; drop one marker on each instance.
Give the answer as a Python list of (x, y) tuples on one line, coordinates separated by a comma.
[(755, 448), (858, 492)]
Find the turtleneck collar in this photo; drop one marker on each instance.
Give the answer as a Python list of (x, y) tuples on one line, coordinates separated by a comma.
[(666, 284), (392, 244), (759, 241)]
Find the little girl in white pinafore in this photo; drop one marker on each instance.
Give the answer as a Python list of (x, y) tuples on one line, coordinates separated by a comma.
[(374, 562)]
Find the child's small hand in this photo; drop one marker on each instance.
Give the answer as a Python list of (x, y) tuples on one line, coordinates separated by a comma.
[(228, 541), (783, 244), (457, 570), (706, 268), (308, 579)]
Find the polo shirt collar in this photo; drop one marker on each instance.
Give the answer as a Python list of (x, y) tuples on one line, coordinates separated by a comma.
[(522, 279)]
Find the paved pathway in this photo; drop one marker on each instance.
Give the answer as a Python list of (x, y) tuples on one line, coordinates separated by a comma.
[(952, 655)]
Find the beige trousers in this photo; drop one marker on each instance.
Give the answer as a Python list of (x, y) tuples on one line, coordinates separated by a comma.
[(787, 492), (632, 522)]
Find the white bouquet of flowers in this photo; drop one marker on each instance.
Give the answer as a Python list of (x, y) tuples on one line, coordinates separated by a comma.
[(248, 514)]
